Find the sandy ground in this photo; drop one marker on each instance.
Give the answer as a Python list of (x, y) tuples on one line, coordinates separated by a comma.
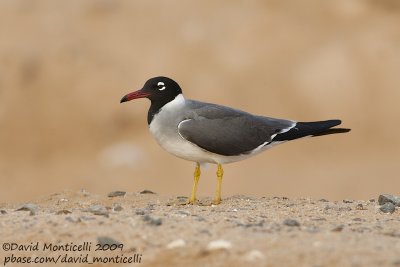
[(242, 231)]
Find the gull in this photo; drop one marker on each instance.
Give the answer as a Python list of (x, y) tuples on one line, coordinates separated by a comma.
[(210, 133)]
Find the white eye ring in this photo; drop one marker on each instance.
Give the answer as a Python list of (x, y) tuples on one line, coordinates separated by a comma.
[(161, 84)]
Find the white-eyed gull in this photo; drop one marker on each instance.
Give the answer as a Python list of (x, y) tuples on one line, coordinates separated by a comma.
[(210, 133)]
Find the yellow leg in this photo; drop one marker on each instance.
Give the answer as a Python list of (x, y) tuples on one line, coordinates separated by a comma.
[(197, 173), (220, 173)]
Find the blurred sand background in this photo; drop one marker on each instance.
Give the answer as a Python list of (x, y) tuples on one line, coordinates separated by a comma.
[(64, 65)]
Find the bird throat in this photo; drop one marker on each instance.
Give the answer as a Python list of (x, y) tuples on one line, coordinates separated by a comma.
[(158, 104)]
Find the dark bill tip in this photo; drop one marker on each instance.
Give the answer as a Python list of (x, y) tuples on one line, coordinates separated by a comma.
[(124, 99)]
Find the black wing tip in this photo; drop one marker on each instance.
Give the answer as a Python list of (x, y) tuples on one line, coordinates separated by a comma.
[(336, 122), (332, 131), (315, 128), (330, 124), (325, 124)]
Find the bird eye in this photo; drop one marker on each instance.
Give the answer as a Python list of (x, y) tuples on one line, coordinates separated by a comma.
[(161, 86)]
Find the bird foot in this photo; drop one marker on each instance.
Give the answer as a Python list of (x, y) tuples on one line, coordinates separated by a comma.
[(191, 201), (216, 201)]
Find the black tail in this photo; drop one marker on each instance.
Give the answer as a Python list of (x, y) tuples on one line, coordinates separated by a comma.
[(317, 128)]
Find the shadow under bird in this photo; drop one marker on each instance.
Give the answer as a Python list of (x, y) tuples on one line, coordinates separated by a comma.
[(210, 133)]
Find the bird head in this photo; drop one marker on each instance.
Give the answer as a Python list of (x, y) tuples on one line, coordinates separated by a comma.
[(160, 89)]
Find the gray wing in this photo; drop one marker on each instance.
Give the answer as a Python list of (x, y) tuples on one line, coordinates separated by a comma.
[(229, 132)]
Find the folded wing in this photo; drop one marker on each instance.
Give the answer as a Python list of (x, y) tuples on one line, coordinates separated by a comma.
[(230, 132)]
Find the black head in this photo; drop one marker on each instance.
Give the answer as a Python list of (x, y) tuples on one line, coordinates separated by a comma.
[(157, 89), (160, 90)]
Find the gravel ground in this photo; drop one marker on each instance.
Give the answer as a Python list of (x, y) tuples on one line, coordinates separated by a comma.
[(159, 231)]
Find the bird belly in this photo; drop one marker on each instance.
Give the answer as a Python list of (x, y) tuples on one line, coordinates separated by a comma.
[(174, 144)]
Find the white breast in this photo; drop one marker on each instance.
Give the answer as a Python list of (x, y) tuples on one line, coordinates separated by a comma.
[(164, 128)]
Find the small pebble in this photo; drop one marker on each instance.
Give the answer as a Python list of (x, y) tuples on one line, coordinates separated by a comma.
[(3, 212), (116, 194), (338, 228), (291, 222), (318, 219), (140, 212), (178, 243), (198, 218), (118, 208), (388, 207), (360, 207), (105, 240), (98, 210), (254, 255), (396, 262), (183, 213), (152, 220), (73, 220), (147, 192), (62, 200), (219, 244), (385, 198), (32, 208), (347, 201), (205, 232), (87, 218), (150, 207), (312, 229), (63, 212), (249, 225), (362, 229), (95, 208), (101, 213), (392, 233)]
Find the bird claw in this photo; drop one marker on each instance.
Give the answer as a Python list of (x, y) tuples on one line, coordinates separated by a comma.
[(216, 201), (191, 202)]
